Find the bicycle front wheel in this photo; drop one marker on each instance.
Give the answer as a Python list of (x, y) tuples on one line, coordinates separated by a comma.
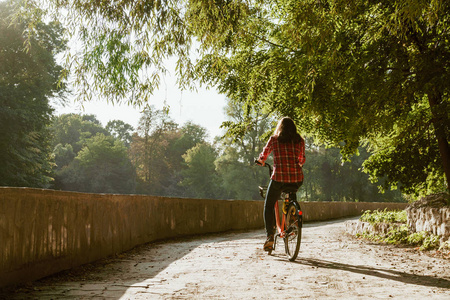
[(293, 234)]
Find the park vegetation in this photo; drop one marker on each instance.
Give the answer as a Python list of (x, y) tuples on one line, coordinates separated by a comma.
[(163, 158), (366, 81), (397, 232), (27, 80)]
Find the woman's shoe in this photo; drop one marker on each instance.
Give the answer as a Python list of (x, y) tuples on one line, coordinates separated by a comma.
[(268, 245)]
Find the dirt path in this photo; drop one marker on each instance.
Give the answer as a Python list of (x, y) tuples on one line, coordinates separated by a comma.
[(233, 266)]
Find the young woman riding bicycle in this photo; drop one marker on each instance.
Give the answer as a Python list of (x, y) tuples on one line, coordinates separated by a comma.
[(288, 149)]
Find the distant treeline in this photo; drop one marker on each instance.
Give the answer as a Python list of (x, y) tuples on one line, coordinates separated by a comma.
[(163, 158)]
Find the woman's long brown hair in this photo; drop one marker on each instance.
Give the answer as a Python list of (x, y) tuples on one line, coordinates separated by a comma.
[(287, 131)]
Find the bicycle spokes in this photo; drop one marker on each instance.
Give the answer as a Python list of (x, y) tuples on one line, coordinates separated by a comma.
[(293, 231), (291, 227)]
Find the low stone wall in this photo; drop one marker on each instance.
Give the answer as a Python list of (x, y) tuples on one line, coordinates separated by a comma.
[(431, 214), (354, 227), (434, 220), (44, 231)]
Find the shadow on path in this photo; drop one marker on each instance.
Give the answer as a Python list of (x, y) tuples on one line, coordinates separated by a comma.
[(111, 277), (381, 273)]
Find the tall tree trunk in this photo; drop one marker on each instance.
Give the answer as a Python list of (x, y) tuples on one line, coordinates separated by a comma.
[(440, 121)]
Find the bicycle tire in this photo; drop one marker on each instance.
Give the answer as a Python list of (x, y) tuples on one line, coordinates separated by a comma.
[(293, 233)]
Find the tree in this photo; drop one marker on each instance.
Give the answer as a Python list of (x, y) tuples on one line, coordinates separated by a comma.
[(239, 150), (70, 133), (101, 166), (191, 135), (239, 180), (157, 150), (200, 177), (88, 158), (148, 150), (120, 130), (28, 78), (328, 178), (346, 71), (178, 143), (64, 155), (74, 129), (350, 72)]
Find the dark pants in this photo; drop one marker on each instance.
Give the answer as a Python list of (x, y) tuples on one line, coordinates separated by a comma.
[(273, 194)]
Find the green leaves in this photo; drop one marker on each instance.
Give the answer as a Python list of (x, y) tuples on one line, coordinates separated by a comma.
[(101, 166), (90, 158), (120, 130), (347, 71), (409, 154), (386, 216), (200, 176), (28, 78)]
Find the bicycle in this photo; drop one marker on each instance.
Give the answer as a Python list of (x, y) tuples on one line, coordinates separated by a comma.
[(290, 227)]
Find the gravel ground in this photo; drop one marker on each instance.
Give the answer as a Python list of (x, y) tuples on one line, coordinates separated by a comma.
[(331, 265)]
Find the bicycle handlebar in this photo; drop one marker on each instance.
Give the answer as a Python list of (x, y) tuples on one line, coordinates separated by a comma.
[(265, 164)]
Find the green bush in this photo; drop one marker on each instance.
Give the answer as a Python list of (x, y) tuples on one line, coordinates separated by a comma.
[(417, 238), (385, 216), (430, 242), (397, 235)]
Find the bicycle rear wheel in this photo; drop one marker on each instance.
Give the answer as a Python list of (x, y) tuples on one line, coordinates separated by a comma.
[(293, 234)]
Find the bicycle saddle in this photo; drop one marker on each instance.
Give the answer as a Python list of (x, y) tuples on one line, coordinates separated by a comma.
[(289, 188)]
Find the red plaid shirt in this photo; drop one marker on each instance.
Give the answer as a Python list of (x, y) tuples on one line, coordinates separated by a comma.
[(288, 159)]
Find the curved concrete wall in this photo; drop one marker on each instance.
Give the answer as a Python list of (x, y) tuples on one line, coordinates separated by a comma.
[(45, 231)]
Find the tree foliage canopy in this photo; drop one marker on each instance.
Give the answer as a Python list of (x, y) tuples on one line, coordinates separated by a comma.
[(347, 71), (74, 129), (101, 166), (90, 158), (28, 78)]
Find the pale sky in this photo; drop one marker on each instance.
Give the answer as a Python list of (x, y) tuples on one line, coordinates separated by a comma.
[(205, 108)]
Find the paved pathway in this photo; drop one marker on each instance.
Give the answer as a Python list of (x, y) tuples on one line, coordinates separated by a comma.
[(331, 265)]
